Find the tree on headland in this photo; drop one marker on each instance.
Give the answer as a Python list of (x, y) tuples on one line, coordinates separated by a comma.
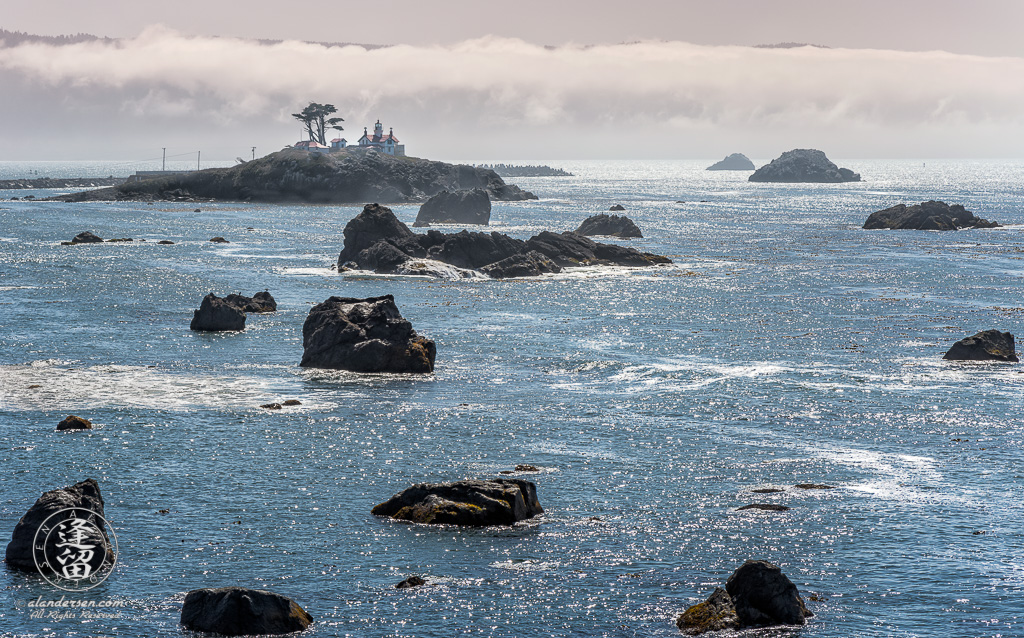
[(315, 118)]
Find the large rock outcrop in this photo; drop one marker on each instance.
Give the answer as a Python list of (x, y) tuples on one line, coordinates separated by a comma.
[(471, 502), (217, 315), (757, 594), (734, 162), (609, 226), (235, 611), (376, 240), (349, 176), (458, 207), (803, 165), (931, 215), (987, 345), (363, 335), (84, 495)]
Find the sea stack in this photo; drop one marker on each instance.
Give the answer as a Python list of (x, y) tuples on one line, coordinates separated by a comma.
[(803, 165), (734, 162)]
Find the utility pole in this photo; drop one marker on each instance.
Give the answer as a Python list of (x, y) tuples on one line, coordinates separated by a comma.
[(254, 153), (163, 166), (199, 154)]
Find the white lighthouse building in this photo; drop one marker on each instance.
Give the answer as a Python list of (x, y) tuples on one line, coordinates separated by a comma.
[(387, 143)]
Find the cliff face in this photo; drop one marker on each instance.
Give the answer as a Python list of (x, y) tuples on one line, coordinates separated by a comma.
[(347, 177)]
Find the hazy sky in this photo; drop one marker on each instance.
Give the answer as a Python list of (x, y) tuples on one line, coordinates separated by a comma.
[(670, 79)]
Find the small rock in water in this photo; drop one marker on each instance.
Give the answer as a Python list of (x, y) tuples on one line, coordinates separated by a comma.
[(410, 582), (163, 511), (217, 315), (271, 406), (768, 507), (617, 207), (507, 472), (527, 468), (34, 386), (470, 502), (292, 402), (198, 210), (86, 238), (814, 486), (767, 490), (234, 611), (987, 345), (73, 422), (219, 240), (166, 242)]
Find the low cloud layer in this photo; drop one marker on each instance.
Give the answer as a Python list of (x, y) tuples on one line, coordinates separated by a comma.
[(496, 98)]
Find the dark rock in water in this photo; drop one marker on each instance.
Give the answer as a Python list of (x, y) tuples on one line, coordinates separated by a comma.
[(258, 303), (376, 240), (767, 490), (292, 402), (350, 176), (617, 208), (763, 595), (768, 507), (932, 215), (410, 582), (757, 594), (216, 314), (459, 207), (84, 495), (803, 165), (219, 240), (527, 468), (234, 611), (119, 239), (734, 162), (610, 226), (528, 264), (363, 335), (272, 406), (987, 345), (714, 614), (471, 502), (814, 486), (86, 238), (72, 422), (165, 242)]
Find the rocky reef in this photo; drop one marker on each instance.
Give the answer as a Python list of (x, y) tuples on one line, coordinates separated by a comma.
[(987, 345), (803, 165), (376, 240), (757, 594), (734, 162), (471, 502), (345, 177), (363, 335), (609, 226), (931, 215), (458, 207), (235, 611)]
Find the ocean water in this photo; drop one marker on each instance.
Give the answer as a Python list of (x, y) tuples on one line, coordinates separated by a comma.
[(785, 345)]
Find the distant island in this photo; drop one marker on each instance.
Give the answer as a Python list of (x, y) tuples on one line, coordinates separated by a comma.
[(510, 170), (353, 175)]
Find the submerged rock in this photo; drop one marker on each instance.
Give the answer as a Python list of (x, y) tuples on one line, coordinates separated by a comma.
[(767, 507), (219, 240), (72, 422), (458, 207), (376, 240), (235, 611), (609, 226), (757, 594), (931, 215), (734, 162), (217, 315), (470, 502), (803, 165), (259, 303), (410, 582), (814, 486), (86, 238), (363, 335), (84, 495), (987, 345)]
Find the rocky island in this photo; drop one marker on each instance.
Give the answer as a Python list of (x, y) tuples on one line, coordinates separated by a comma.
[(349, 176), (803, 165), (734, 162), (376, 240), (931, 215)]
